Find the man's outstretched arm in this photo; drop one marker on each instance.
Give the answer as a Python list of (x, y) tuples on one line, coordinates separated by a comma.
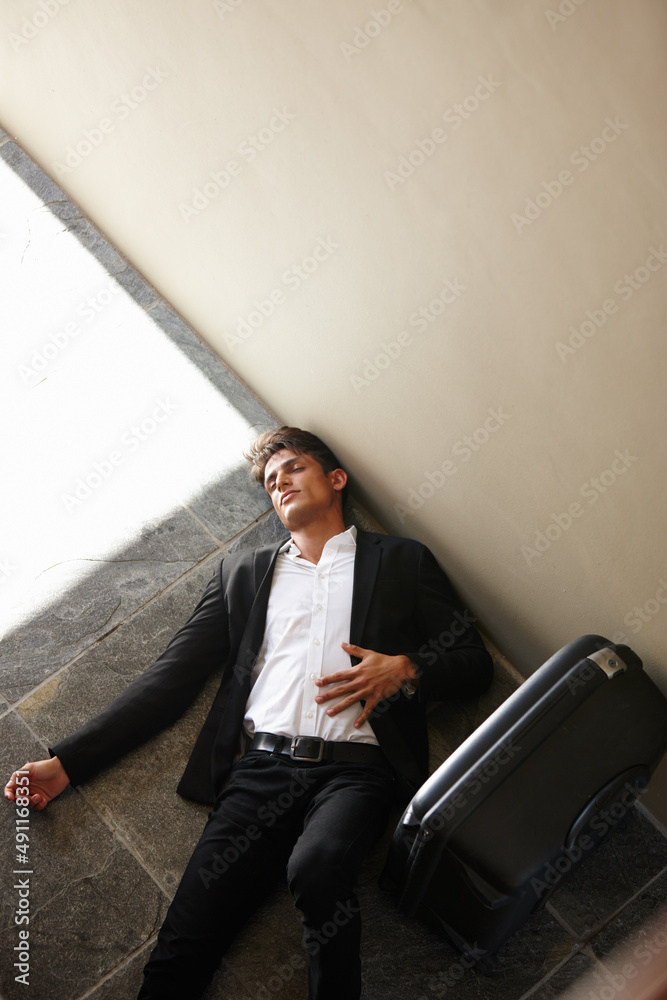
[(40, 781), (150, 703), (157, 697)]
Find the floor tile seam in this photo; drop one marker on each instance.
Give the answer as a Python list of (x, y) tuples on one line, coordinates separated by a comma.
[(37, 738), (120, 835), (598, 965), (220, 542), (128, 266), (579, 949), (590, 937), (630, 899), (601, 966), (636, 895), (633, 898), (216, 553), (612, 972), (549, 906), (653, 820), (153, 302), (228, 542), (117, 968)]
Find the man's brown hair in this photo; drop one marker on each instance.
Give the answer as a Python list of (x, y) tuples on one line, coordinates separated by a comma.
[(301, 442)]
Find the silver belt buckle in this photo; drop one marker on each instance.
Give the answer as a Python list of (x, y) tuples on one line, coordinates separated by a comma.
[(295, 755)]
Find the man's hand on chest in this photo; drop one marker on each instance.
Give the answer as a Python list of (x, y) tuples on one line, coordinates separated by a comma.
[(377, 676)]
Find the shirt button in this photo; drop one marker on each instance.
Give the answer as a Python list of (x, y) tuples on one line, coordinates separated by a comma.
[(313, 677), (309, 715), (316, 642)]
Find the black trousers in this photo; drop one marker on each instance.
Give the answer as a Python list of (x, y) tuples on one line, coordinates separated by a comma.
[(315, 821)]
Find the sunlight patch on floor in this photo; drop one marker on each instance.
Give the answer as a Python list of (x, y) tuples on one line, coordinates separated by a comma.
[(106, 424)]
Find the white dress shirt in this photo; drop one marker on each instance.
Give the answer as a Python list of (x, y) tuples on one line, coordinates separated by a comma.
[(308, 616)]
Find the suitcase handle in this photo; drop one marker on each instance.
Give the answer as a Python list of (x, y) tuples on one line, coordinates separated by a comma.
[(635, 779)]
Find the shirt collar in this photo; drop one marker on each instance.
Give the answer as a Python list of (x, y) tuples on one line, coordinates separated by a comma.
[(345, 540)]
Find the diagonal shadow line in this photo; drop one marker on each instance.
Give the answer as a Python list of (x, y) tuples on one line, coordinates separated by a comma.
[(127, 579), (218, 373)]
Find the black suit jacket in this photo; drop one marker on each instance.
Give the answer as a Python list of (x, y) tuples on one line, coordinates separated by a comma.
[(402, 603)]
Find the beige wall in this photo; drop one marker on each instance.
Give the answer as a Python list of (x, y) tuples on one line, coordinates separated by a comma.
[(362, 172)]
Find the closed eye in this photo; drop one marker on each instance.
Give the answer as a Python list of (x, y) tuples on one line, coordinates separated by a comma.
[(270, 484)]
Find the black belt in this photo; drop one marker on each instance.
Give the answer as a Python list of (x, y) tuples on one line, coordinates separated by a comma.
[(317, 750)]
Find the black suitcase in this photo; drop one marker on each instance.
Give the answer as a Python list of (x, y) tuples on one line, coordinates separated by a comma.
[(523, 801)]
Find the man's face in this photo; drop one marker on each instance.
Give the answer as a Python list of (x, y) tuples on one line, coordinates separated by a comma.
[(299, 490)]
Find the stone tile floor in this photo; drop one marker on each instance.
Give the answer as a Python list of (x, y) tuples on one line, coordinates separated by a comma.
[(86, 610)]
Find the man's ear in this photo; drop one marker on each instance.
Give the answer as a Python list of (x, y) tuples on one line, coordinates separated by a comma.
[(338, 479)]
